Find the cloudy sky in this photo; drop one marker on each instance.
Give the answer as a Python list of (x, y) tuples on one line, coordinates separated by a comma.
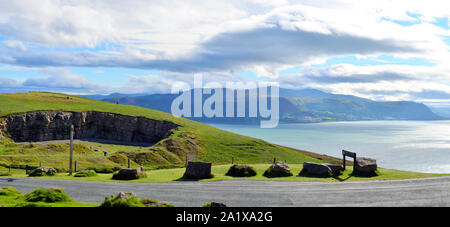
[(382, 50)]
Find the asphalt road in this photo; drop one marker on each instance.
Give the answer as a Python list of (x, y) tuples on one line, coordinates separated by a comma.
[(236, 193)]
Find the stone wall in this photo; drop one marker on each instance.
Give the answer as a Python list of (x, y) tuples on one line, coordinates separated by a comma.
[(54, 125)]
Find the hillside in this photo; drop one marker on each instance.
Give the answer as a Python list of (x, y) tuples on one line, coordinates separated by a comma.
[(202, 141), (302, 106)]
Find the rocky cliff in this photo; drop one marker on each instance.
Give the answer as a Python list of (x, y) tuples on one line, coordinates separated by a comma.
[(54, 125)]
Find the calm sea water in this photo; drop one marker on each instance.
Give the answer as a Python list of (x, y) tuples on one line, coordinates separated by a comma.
[(421, 146)]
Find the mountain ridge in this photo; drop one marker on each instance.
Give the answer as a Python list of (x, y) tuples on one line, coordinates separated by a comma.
[(302, 106)]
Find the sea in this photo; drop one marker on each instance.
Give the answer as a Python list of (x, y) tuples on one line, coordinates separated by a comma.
[(420, 146)]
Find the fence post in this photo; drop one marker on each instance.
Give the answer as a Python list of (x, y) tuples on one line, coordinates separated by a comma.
[(40, 163), (71, 149), (75, 166), (26, 169), (274, 160), (128, 163)]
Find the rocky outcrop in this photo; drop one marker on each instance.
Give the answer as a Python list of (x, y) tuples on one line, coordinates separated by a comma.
[(198, 170), (320, 169), (41, 171), (278, 169), (54, 125), (365, 167), (130, 174), (315, 169)]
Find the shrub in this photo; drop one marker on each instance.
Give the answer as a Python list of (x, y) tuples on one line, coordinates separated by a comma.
[(9, 191), (271, 173), (130, 201), (86, 173), (47, 195), (37, 173), (241, 171)]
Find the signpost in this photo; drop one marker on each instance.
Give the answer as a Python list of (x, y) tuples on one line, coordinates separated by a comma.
[(71, 149), (349, 154)]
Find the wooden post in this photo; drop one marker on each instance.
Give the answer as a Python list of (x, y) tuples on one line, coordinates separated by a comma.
[(76, 166), (274, 160), (128, 163), (26, 169), (40, 164), (186, 160), (343, 161), (71, 149)]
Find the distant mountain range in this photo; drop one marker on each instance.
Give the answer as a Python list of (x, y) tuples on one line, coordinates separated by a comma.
[(300, 106)]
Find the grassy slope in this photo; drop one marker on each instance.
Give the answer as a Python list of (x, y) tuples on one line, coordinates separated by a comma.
[(209, 143)]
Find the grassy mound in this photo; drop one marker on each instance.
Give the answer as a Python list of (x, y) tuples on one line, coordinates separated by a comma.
[(9, 191), (130, 200), (86, 173), (47, 195), (241, 171)]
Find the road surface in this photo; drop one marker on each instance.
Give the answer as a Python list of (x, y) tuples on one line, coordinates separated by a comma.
[(237, 193)]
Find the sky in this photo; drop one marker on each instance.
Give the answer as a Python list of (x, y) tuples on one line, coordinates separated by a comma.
[(381, 50)]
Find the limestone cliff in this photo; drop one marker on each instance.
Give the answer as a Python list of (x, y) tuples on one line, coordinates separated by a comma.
[(54, 125)]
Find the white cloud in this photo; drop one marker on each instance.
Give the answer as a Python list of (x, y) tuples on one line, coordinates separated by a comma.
[(59, 78)]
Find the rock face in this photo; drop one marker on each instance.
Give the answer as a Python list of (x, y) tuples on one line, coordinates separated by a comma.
[(365, 166), (54, 125), (241, 171), (278, 169), (130, 174), (198, 170)]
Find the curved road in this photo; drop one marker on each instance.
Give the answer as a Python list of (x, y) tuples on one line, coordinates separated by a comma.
[(235, 193)]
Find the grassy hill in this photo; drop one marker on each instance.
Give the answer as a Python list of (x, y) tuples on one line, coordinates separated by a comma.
[(204, 142)]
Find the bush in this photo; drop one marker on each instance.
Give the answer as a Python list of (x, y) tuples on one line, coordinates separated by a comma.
[(36, 173), (47, 195), (130, 200), (271, 173), (241, 171), (9, 191), (86, 173)]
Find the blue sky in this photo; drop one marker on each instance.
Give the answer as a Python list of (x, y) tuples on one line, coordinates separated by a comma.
[(361, 48)]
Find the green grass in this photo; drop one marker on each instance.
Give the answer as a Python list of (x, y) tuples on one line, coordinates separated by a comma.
[(206, 143), (219, 171), (10, 197)]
